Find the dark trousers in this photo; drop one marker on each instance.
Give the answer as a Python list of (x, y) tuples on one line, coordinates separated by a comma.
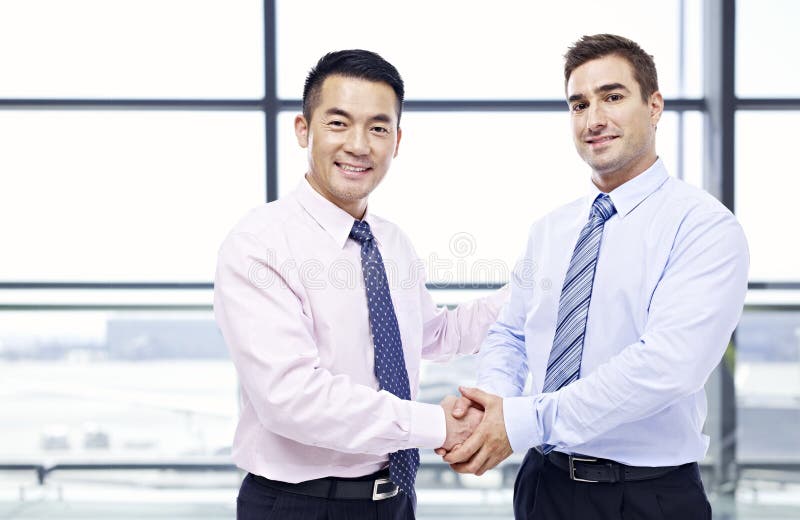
[(543, 491), (257, 501)]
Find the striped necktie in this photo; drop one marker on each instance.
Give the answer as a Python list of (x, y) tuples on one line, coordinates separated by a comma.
[(564, 364), (390, 366)]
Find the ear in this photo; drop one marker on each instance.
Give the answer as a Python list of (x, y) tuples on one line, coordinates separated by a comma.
[(656, 104), (397, 144), (301, 130)]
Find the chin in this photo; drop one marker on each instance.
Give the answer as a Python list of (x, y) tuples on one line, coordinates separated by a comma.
[(603, 167), (352, 193)]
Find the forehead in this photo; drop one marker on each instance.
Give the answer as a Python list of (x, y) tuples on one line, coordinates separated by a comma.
[(607, 70), (357, 96)]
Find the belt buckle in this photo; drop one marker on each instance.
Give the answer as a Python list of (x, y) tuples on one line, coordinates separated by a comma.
[(385, 495), (572, 461)]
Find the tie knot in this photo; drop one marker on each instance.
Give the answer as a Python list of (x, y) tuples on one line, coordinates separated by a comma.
[(603, 207), (361, 232)]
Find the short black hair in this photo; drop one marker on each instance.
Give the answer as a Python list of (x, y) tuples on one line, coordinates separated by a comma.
[(353, 63)]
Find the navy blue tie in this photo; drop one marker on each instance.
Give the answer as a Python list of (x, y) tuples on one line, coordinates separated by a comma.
[(564, 364), (390, 365)]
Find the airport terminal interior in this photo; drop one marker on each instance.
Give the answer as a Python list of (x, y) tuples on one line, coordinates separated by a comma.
[(134, 134)]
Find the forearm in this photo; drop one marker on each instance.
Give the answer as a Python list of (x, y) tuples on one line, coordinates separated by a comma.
[(293, 397), (503, 362), (459, 331)]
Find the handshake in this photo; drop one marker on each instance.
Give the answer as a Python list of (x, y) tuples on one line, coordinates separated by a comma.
[(476, 432)]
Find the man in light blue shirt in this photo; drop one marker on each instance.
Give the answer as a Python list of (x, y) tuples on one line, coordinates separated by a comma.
[(622, 305)]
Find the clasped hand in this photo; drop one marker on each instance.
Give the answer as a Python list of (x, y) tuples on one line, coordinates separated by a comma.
[(476, 432)]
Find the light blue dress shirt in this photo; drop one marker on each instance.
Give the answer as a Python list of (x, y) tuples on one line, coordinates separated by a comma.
[(669, 289)]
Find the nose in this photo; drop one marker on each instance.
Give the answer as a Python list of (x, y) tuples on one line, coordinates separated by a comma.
[(357, 142), (596, 117)]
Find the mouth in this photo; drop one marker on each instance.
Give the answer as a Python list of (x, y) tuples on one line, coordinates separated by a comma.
[(353, 170), (600, 141)]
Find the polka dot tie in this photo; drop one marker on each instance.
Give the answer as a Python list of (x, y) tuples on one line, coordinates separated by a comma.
[(564, 364), (390, 366)]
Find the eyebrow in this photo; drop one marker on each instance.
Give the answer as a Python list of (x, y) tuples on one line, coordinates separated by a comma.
[(382, 118), (599, 90)]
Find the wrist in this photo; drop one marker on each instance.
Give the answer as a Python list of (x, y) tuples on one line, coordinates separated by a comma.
[(428, 425), (520, 423)]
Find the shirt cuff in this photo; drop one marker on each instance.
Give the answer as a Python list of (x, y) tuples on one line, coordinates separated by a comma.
[(428, 427), (520, 424)]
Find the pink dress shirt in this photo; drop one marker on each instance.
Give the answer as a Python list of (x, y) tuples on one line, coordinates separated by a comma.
[(289, 298)]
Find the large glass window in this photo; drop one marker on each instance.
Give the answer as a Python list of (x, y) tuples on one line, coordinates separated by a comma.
[(768, 383), (767, 48), (98, 400), (766, 185), (132, 137), (467, 50), (768, 337), (123, 385), (131, 49), (124, 196)]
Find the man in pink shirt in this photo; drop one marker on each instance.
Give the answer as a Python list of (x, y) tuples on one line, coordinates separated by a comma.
[(326, 345)]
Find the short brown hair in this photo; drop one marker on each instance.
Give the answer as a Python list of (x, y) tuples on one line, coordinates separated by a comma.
[(590, 48)]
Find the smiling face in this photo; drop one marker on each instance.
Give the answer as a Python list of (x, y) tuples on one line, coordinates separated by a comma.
[(352, 138), (613, 128)]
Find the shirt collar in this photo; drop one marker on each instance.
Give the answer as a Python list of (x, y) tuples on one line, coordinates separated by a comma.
[(629, 195), (333, 219)]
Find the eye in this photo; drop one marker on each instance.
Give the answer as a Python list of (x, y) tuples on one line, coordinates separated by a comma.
[(336, 123), (380, 129), (614, 97), (579, 107)]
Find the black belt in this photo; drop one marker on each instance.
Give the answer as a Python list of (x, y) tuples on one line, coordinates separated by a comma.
[(372, 487), (590, 469)]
